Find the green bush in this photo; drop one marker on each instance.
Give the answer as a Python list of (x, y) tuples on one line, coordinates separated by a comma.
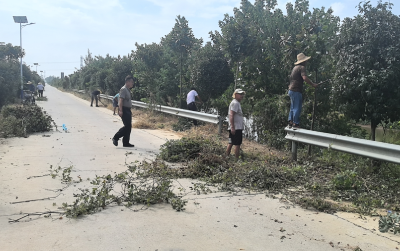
[(21, 120), (346, 180), (188, 148), (183, 124), (390, 223), (180, 150)]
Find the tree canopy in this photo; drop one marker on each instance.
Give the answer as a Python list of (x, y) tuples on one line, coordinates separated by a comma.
[(255, 50)]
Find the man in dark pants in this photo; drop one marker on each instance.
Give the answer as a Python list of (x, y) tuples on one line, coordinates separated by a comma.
[(125, 105), (95, 95), (191, 104)]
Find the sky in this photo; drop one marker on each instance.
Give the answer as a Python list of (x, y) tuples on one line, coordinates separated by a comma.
[(65, 30)]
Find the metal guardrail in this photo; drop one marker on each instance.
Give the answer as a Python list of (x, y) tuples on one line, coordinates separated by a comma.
[(362, 147), (210, 118)]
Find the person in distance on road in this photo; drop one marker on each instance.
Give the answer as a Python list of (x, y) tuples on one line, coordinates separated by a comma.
[(124, 111), (236, 123), (115, 102), (95, 95), (297, 79), (40, 89), (191, 102)]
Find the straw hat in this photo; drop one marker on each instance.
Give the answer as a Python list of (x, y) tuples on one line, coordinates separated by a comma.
[(301, 58), (238, 91)]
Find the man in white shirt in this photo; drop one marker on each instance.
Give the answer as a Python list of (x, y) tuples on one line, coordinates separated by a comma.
[(236, 123), (40, 89), (191, 104)]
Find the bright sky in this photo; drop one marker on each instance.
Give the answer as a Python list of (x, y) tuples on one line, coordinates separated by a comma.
[(65, 29)]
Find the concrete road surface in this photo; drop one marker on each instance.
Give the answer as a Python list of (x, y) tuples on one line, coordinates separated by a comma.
[(217, 221)]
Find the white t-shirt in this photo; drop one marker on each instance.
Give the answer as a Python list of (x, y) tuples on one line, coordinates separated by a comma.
[(191, 96), (238, 117)]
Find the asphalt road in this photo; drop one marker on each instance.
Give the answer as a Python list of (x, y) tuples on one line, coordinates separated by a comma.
[(216, 221)]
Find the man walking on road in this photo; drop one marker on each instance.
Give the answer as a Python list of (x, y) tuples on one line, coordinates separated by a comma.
[(95, 95), (191, 102), (236, 123), (40, 89), (124, 111)]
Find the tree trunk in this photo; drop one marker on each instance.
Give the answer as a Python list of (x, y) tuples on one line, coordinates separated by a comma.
[(180, 84)]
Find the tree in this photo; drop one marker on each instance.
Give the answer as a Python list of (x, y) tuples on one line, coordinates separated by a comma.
[(368, 65), (210, 72), (181, 42)]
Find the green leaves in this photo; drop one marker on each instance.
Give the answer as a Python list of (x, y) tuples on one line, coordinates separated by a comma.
[(138, 185), (18, 120), (390, 223), (367, 55)]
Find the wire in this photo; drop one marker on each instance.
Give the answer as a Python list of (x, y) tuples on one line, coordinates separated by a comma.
[(59, 62)]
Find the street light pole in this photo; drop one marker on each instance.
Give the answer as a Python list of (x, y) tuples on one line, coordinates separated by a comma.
[(36, 64), (20, 42), (21, 20)]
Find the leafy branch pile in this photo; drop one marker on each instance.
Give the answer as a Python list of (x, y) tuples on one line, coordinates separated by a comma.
[(21, 120), (322, 183), (390, 223), (137, 185)]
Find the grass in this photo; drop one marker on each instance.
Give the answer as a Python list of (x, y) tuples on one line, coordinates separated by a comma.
[(41, 98), (330, 182)]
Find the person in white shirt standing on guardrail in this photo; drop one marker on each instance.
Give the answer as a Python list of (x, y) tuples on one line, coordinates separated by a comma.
[(191, 102), (236, 123)]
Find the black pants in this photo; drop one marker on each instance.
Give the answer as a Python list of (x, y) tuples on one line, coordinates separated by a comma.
[(125, 131), (192, 107), (40, 93), (94, 97)]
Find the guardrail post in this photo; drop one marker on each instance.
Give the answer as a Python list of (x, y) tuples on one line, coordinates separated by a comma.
[(219, 125), (294, 150)]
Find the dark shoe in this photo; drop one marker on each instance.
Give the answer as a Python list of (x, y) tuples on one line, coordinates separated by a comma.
[(129, 145), (115, 142), (97, 106), (296, 126), (290, 124), (91, 105)]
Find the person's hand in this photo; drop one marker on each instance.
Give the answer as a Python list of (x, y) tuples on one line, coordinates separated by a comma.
[(315, 85), (120, 113), (233, 130)]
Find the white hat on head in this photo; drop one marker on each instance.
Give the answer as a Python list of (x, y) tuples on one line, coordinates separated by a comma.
[(238, 91)]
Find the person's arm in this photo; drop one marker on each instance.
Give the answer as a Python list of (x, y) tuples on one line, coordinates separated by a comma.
[(308, 81), (232, 122), (199, 98), (120, 107)]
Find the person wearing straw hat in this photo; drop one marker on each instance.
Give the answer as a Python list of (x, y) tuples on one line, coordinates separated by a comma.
[(236, 123), (297, 79)]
